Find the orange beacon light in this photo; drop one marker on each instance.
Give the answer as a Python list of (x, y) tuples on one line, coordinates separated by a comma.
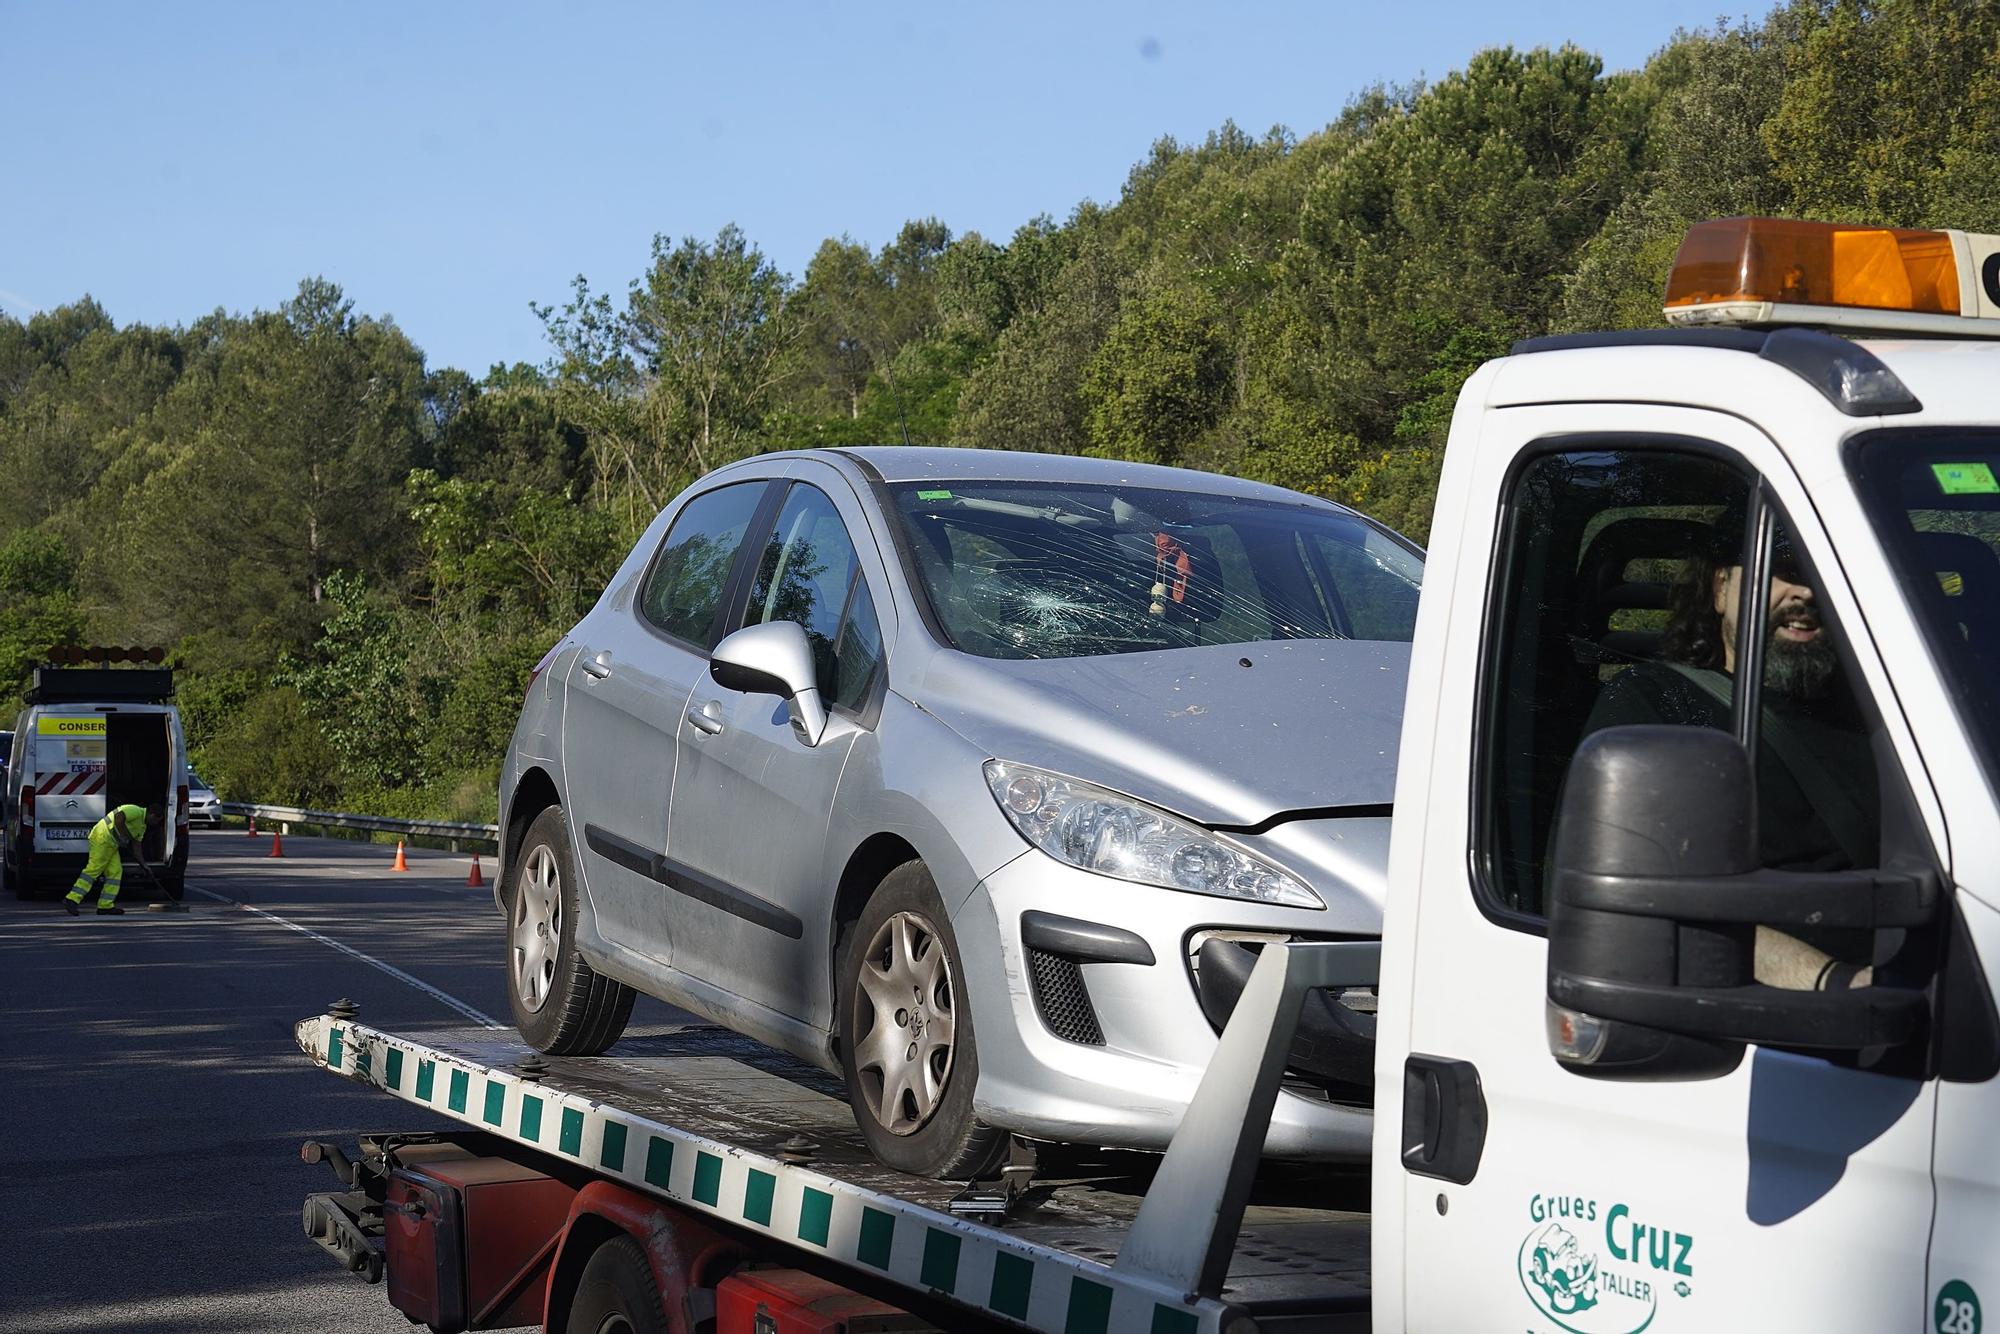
[(1888, 279)]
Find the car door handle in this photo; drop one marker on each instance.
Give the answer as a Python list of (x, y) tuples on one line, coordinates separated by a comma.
[(597, 665), (707, 717)]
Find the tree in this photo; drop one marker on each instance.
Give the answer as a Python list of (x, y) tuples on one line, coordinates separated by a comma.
[(290, 469), (1159, 379), (711, 325)]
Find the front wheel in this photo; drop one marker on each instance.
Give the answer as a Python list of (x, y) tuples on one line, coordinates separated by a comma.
[(906, 1041), (561, 1005)]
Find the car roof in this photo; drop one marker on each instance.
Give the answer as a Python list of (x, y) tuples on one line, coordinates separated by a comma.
[(926, 463)]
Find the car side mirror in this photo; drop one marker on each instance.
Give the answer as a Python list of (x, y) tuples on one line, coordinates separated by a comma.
[(1656, 898), (773, 659)]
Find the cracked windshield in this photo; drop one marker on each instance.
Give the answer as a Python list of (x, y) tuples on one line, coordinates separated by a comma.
[(1041, 571)]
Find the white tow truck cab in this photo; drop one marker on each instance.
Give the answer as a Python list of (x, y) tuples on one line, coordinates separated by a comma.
[(1687, 973), (91, 739), (1687, 1002)]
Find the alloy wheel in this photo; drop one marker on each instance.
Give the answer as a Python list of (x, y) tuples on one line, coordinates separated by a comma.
[(903, 1002), (536, 934)]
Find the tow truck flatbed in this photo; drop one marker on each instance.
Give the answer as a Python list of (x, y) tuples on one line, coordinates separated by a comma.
[(721, 1126)]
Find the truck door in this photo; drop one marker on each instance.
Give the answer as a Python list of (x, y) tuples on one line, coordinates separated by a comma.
[(66, 768), (1592, 571)]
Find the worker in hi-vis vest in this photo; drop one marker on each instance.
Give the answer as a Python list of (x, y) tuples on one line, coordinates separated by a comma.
[(111, 839)]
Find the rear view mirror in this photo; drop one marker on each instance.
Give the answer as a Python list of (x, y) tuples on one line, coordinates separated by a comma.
[(1656, 899), (773, 659)]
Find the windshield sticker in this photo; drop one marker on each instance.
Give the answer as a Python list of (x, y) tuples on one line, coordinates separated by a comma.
[(1957, 1309), (1595, 1270), (1966, 479), (933, 495)]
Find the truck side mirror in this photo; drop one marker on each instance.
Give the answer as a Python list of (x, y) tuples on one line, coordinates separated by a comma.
[(1656, 897), (774, 658)]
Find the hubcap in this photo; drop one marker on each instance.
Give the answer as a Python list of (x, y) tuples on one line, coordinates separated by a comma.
[(537, 929), (904, 1023)]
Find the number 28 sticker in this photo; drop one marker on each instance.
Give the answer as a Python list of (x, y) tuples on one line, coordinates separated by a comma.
[(1957, 1309)]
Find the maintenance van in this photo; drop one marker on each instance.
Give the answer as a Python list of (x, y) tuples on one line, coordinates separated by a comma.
[(1687, 969), (88, 740)]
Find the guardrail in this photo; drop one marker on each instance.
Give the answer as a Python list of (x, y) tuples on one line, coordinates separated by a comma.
[(452, 832)]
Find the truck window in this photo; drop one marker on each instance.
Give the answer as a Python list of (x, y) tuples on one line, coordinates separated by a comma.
[(1616, 601)]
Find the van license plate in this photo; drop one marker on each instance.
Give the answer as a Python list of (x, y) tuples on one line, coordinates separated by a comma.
[(62, 831)]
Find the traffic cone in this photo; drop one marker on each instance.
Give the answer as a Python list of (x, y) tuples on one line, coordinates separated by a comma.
[(251, 828), (475, 879), (400, 865), (277, 844)]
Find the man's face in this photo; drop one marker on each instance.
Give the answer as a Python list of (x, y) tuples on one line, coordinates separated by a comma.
[(1798, 658)]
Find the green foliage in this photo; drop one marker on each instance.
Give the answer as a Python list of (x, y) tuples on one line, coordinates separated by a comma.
[(1158, 380), (358, 559), (37, 608), (361, 687), (270, 749)]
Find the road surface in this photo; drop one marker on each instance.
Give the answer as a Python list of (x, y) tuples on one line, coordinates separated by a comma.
[(151, 1180)]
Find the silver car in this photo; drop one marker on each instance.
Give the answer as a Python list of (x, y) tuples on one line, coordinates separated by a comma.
[(204, 807), (977, 778)]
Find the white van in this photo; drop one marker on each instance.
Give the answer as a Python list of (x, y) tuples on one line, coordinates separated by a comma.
[(88, 740)]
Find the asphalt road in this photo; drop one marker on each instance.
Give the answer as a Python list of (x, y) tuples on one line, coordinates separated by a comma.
[(156, 1099)]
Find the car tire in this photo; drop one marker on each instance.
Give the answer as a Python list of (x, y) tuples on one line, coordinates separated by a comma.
[(561, 1005), (616, 1292), (912, 1099)]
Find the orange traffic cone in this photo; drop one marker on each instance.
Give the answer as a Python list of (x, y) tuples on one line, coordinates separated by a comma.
[(277, 844), (400, 865), (475, 879), (251, 828)]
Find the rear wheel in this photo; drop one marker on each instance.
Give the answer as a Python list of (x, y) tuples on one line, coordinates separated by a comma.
[(616, 1293), (561, 1004), (906, 1038)]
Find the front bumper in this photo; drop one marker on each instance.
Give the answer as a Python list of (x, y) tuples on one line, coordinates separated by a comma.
[(205, 817), (1127, 1081)]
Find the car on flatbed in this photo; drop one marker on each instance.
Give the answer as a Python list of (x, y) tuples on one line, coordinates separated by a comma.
[(977, 778)]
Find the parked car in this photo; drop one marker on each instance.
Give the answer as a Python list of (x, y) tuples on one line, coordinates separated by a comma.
[(204, 807), (975, 777)]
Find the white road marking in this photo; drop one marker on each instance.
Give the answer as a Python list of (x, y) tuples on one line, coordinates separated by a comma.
[(443, 998)]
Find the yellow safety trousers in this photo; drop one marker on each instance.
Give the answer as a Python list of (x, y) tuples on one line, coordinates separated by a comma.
[(104, 861)]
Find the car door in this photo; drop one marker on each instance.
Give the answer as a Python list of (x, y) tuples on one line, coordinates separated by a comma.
[(1788, 1192), (639, 655), (746, 841)]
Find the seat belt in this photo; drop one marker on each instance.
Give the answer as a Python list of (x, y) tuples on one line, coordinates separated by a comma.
[(1835, 806)]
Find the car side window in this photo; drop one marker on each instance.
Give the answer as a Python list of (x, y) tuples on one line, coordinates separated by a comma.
[(1616, 601), (684, 588), (808, 573)]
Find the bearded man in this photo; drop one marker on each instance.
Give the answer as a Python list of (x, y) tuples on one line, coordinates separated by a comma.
[(1817, 806)]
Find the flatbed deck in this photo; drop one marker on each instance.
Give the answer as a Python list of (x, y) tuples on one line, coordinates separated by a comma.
[(721, 1125)]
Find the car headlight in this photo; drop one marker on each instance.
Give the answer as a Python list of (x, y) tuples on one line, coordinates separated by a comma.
[(1098, 830)]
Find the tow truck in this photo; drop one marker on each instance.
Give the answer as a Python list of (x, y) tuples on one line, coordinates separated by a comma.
[(1607, 1097)]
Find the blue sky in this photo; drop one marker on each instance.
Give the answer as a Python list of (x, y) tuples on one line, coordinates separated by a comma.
[(448, 163)]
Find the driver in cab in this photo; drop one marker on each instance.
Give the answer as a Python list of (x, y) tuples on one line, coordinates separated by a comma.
[(1816, 784)]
